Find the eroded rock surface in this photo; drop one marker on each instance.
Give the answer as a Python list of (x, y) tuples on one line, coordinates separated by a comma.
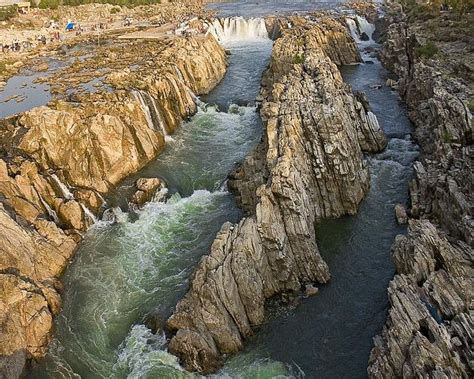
[(429, 328), (58, 161), (310, 165)]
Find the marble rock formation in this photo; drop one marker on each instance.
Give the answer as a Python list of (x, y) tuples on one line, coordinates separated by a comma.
[(309, 165), (428, 332), (57, 162)]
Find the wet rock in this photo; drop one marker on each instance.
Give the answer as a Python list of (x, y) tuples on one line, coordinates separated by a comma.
[(401, 214), (311, 290), (309, 166), (393, 84), (364, 36), (148, 189), (112, 215), (429, 329)]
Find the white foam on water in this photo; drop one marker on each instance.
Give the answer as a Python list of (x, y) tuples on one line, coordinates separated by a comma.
[(358, 25), (353, 29), (142, 355), (365, 26), (232, 29), (88, 213)]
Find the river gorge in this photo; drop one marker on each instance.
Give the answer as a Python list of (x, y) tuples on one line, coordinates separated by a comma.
[(233, 205)]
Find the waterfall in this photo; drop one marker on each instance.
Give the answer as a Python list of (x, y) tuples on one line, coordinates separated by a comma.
[(50, 210), (365, 26), (239, 29), (353, 29), (65, 191), (88, 213), (359, 25), (152, 113)]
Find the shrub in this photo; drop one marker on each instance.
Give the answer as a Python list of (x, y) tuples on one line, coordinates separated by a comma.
[(428, 50), (49, 4), (115, 10), (298, 59), (8, 12), (471, 104), (447, 137)]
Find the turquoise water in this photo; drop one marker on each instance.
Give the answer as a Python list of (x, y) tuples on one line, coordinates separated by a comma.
[(123, 272), (141, 265)]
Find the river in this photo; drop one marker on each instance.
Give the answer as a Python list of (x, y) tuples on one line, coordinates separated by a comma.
[(141, 264)]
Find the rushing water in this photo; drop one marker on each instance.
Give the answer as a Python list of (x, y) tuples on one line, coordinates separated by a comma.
[(260, 8), (330, 335), (122, 272), (141, 264)]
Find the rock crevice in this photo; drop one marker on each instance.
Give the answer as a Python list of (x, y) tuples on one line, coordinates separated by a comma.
[(308, 166), (428, 332), (58, 161)]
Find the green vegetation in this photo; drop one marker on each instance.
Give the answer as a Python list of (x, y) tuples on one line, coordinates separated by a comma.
[(115, 10), (298, 59), (429, 50), (471, 104), (8, 12), (49, 4), (428, 9), (447, 137), (3, 67)]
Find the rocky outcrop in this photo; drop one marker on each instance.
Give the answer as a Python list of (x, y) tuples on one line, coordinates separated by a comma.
[(429, 329), (57, 162), (147, 189), (309, 166), (430, 322)]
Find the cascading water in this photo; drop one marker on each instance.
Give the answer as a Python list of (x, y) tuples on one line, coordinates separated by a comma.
[(150, 109), (359, 26), (330, 335), (239, 29), (141, 263), (353, 29), (123, 271), (65, 191), (365, 26)]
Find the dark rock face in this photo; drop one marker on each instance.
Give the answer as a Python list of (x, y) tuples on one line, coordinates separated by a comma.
[(364, 36), (308, 166), (429, 329)]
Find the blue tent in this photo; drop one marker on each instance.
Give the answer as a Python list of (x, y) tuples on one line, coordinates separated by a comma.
[(70, 26)]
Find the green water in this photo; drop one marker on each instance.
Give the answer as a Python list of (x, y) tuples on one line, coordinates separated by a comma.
[(142, 264)]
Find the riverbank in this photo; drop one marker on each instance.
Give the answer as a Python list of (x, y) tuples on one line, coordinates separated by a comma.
[(309, 166), (41, 33), (428, 331), (59, 162)]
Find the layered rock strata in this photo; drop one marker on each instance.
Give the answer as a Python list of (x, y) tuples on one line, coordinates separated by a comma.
[(58, 161), (428, 332), (309, 165)]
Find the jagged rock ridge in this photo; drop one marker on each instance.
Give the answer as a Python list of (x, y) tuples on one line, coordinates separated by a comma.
[(57, 162), (428, 332), (309, 165)]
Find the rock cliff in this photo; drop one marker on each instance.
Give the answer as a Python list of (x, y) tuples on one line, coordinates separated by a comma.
[(429, 328), (309, 166), (58, 161)]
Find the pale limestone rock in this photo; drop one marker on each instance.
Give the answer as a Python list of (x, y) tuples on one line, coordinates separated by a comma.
[(309, 166), (56, 162), (401, 214), (429, 329)]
